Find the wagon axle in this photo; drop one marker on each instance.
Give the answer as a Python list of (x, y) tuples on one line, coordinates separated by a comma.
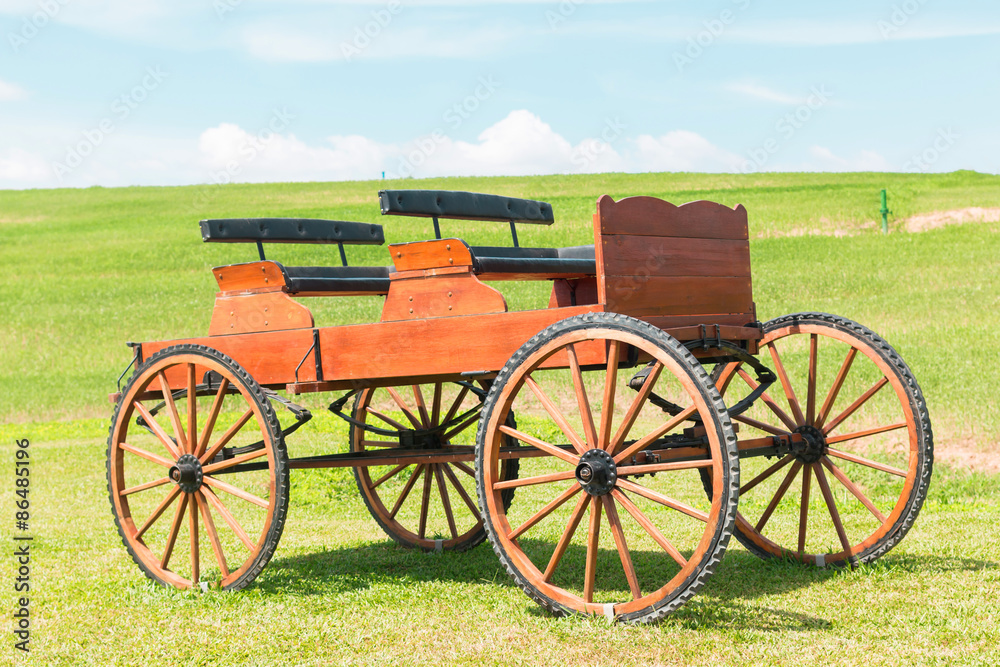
[(187, 473)]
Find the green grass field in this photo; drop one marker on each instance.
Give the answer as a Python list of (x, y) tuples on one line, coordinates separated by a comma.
[(83, 271)]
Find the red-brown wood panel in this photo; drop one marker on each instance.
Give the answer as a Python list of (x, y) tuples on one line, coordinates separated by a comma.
[(649, 216), (671, 256), (440, 296), (254, 275), (659, 295), (430, 254)]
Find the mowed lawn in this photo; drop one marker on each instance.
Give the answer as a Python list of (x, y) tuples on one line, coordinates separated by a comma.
[(83, 271)]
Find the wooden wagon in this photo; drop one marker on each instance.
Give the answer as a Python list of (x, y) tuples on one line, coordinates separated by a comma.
[(585, 440)]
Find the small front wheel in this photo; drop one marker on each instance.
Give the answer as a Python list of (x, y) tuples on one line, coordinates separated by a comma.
[(197, 470), (609, 516)]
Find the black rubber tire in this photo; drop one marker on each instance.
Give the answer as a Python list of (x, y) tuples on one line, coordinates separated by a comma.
[(726, 437), (472, 538), (925, 455), (274, 440)]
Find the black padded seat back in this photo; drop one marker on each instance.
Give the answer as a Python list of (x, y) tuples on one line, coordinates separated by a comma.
[(291, 230), (576, 260), (464, 206)]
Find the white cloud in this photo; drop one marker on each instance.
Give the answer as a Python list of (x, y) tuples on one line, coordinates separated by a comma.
[(20, 168), (760, 92), (681, 150), (11, 92), (825, 160)]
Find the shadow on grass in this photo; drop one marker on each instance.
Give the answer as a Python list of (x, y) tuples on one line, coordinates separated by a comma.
[(727, 600)]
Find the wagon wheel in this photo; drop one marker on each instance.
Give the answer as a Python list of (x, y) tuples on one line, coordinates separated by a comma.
[(608, 458), (853, 487), (429, 506), (197, 476)]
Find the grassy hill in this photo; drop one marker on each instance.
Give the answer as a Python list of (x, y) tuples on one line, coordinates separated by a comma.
[(83, 271)]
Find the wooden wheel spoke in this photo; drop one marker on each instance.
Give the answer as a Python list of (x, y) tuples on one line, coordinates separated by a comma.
[(583, 403), (226, 437), (557, 502), (160, 509), (767, 473), (567, 536), (804, 507), (593, 541), (158, 430), (195, 560), (658, 497), (406, 490), (615, 524), (831, 397), (786, 385), (860, 460), (831, 504), (852, 408), (213, 534), (425, 501), (213, 415), (852, 487), (864, 434), (648, 526), (778, 495), (418, 397), (461, 427), (453, 410), (389, 475), (402, 406), (556, 415), (653, 435), (558, 452), (387, 419), (235, 461), (463, 494), (143, 487), (767, 428), (228, 517), (610, 386), (530, 481), (436, 404), (464, 468), (192, 409), (174, 416), (813, 361), (149, 456), (235, 491), (769, 402), (662, 467), (445, 502), (175, 528), (636, 407)]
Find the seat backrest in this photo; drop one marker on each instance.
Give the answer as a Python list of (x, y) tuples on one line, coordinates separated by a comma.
[(464, 206), (290, 230), (674, 265)]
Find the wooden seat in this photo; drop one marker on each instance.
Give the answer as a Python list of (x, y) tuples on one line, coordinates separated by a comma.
[(501, 263)]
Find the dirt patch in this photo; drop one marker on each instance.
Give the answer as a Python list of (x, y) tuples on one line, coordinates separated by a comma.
[(19, 220), (926, 221), (964, 454)]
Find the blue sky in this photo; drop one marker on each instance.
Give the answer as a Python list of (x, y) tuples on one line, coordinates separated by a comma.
[(154, 92)]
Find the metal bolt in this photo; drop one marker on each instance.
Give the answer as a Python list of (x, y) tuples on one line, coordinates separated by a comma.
[(448, 247), (411, 298), (399, 254), (451, 261), (449, 293), (411, 310)]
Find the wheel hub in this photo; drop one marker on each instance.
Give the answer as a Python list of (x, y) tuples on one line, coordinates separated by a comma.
[(813, 447), (597, 472), (187, 473)]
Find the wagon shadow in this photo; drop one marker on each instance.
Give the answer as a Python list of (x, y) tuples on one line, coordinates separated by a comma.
[(728, 599)]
